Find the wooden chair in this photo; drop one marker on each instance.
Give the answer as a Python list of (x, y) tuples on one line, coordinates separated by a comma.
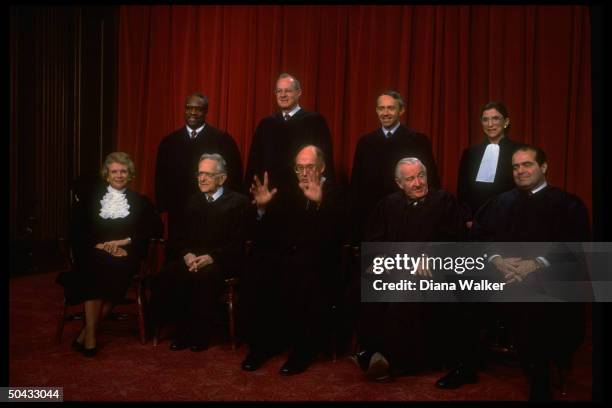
[(229, 297), (139, 282)]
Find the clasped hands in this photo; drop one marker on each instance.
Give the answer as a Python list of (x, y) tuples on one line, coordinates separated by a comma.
[(195, 263), (515, 269), (114, 247)]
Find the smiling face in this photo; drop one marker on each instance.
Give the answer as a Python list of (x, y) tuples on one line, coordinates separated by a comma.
[(209, 179), (287, 96), (528, 174), (118, 175), (413, 180), (493, 124), (195, 112), (388, 111)]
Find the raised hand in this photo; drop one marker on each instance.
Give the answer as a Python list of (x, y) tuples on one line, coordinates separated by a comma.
[(262, 195), (312, 188)]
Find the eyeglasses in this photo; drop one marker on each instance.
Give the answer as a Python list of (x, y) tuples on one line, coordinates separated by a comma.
[(279, 91), (206, 174), (496, 120), (308, 168)]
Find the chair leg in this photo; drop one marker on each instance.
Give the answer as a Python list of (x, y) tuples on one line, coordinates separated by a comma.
[(141, 318), (60, 323), (232, 322), (155, 338)]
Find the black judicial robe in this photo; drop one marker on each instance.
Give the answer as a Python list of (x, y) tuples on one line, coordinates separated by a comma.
[(218, 229), (410, 335), (544, 330), (473, 194), (177, 164), (276, 143), (188, 298), (373, 173), (97, 274), (436, 217), (287, 295)]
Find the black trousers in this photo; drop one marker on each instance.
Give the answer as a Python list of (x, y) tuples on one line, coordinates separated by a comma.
[(285, 300), (188, 299)]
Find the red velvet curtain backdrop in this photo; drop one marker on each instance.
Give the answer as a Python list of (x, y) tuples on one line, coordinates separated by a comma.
[(446, 61)]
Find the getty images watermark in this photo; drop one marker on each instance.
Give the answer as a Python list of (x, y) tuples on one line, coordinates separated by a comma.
[(486, 272)]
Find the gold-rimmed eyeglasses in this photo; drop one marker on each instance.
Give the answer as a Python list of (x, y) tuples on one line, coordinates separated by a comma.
[(307, 168), (206, 174)]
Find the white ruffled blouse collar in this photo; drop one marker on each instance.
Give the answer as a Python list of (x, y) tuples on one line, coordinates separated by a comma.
[(114, 204)]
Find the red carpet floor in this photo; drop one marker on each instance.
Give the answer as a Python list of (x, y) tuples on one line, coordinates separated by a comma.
[(125, 370)]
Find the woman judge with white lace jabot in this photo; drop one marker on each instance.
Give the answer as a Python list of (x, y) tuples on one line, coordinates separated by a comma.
[(110, 235)]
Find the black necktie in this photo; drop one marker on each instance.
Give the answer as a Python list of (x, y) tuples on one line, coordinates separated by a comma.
[(209, 199), (286, 116), (389, 133), (193, 134)]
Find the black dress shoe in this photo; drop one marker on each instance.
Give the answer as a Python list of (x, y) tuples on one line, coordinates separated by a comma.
[(90, 352), (254, 360), (378, 369), (362, 359), (296, 363), (457, 377), (76, 346), (178, 345)]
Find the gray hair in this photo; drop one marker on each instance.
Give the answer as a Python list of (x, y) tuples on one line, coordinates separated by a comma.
[(296, 83), (216, 157), (395, 95), (408, 160), (121, 158)]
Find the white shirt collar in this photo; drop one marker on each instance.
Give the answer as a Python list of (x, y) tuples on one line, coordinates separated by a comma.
[(540, 187), (392, 130), (293, 111), (217, 193), (198, 130)]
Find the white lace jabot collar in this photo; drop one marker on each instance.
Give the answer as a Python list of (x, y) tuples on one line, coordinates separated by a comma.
[(114, 204)]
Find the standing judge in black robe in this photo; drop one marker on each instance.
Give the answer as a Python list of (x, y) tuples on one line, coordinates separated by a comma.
[(398, 337), (537, 212), (177, 162), (485, 170), (110, 231), (280, 136), (376, 156), (210, 244), (286, 299)]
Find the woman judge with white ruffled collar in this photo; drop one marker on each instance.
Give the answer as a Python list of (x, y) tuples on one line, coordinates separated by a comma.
[(109, 235)]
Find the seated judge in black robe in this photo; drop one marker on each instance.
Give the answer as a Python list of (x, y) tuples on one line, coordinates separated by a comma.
[(287, 297), (111, 227), (211, 246), (485, 169), (402, 337), (375, 158), (537, 212)]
